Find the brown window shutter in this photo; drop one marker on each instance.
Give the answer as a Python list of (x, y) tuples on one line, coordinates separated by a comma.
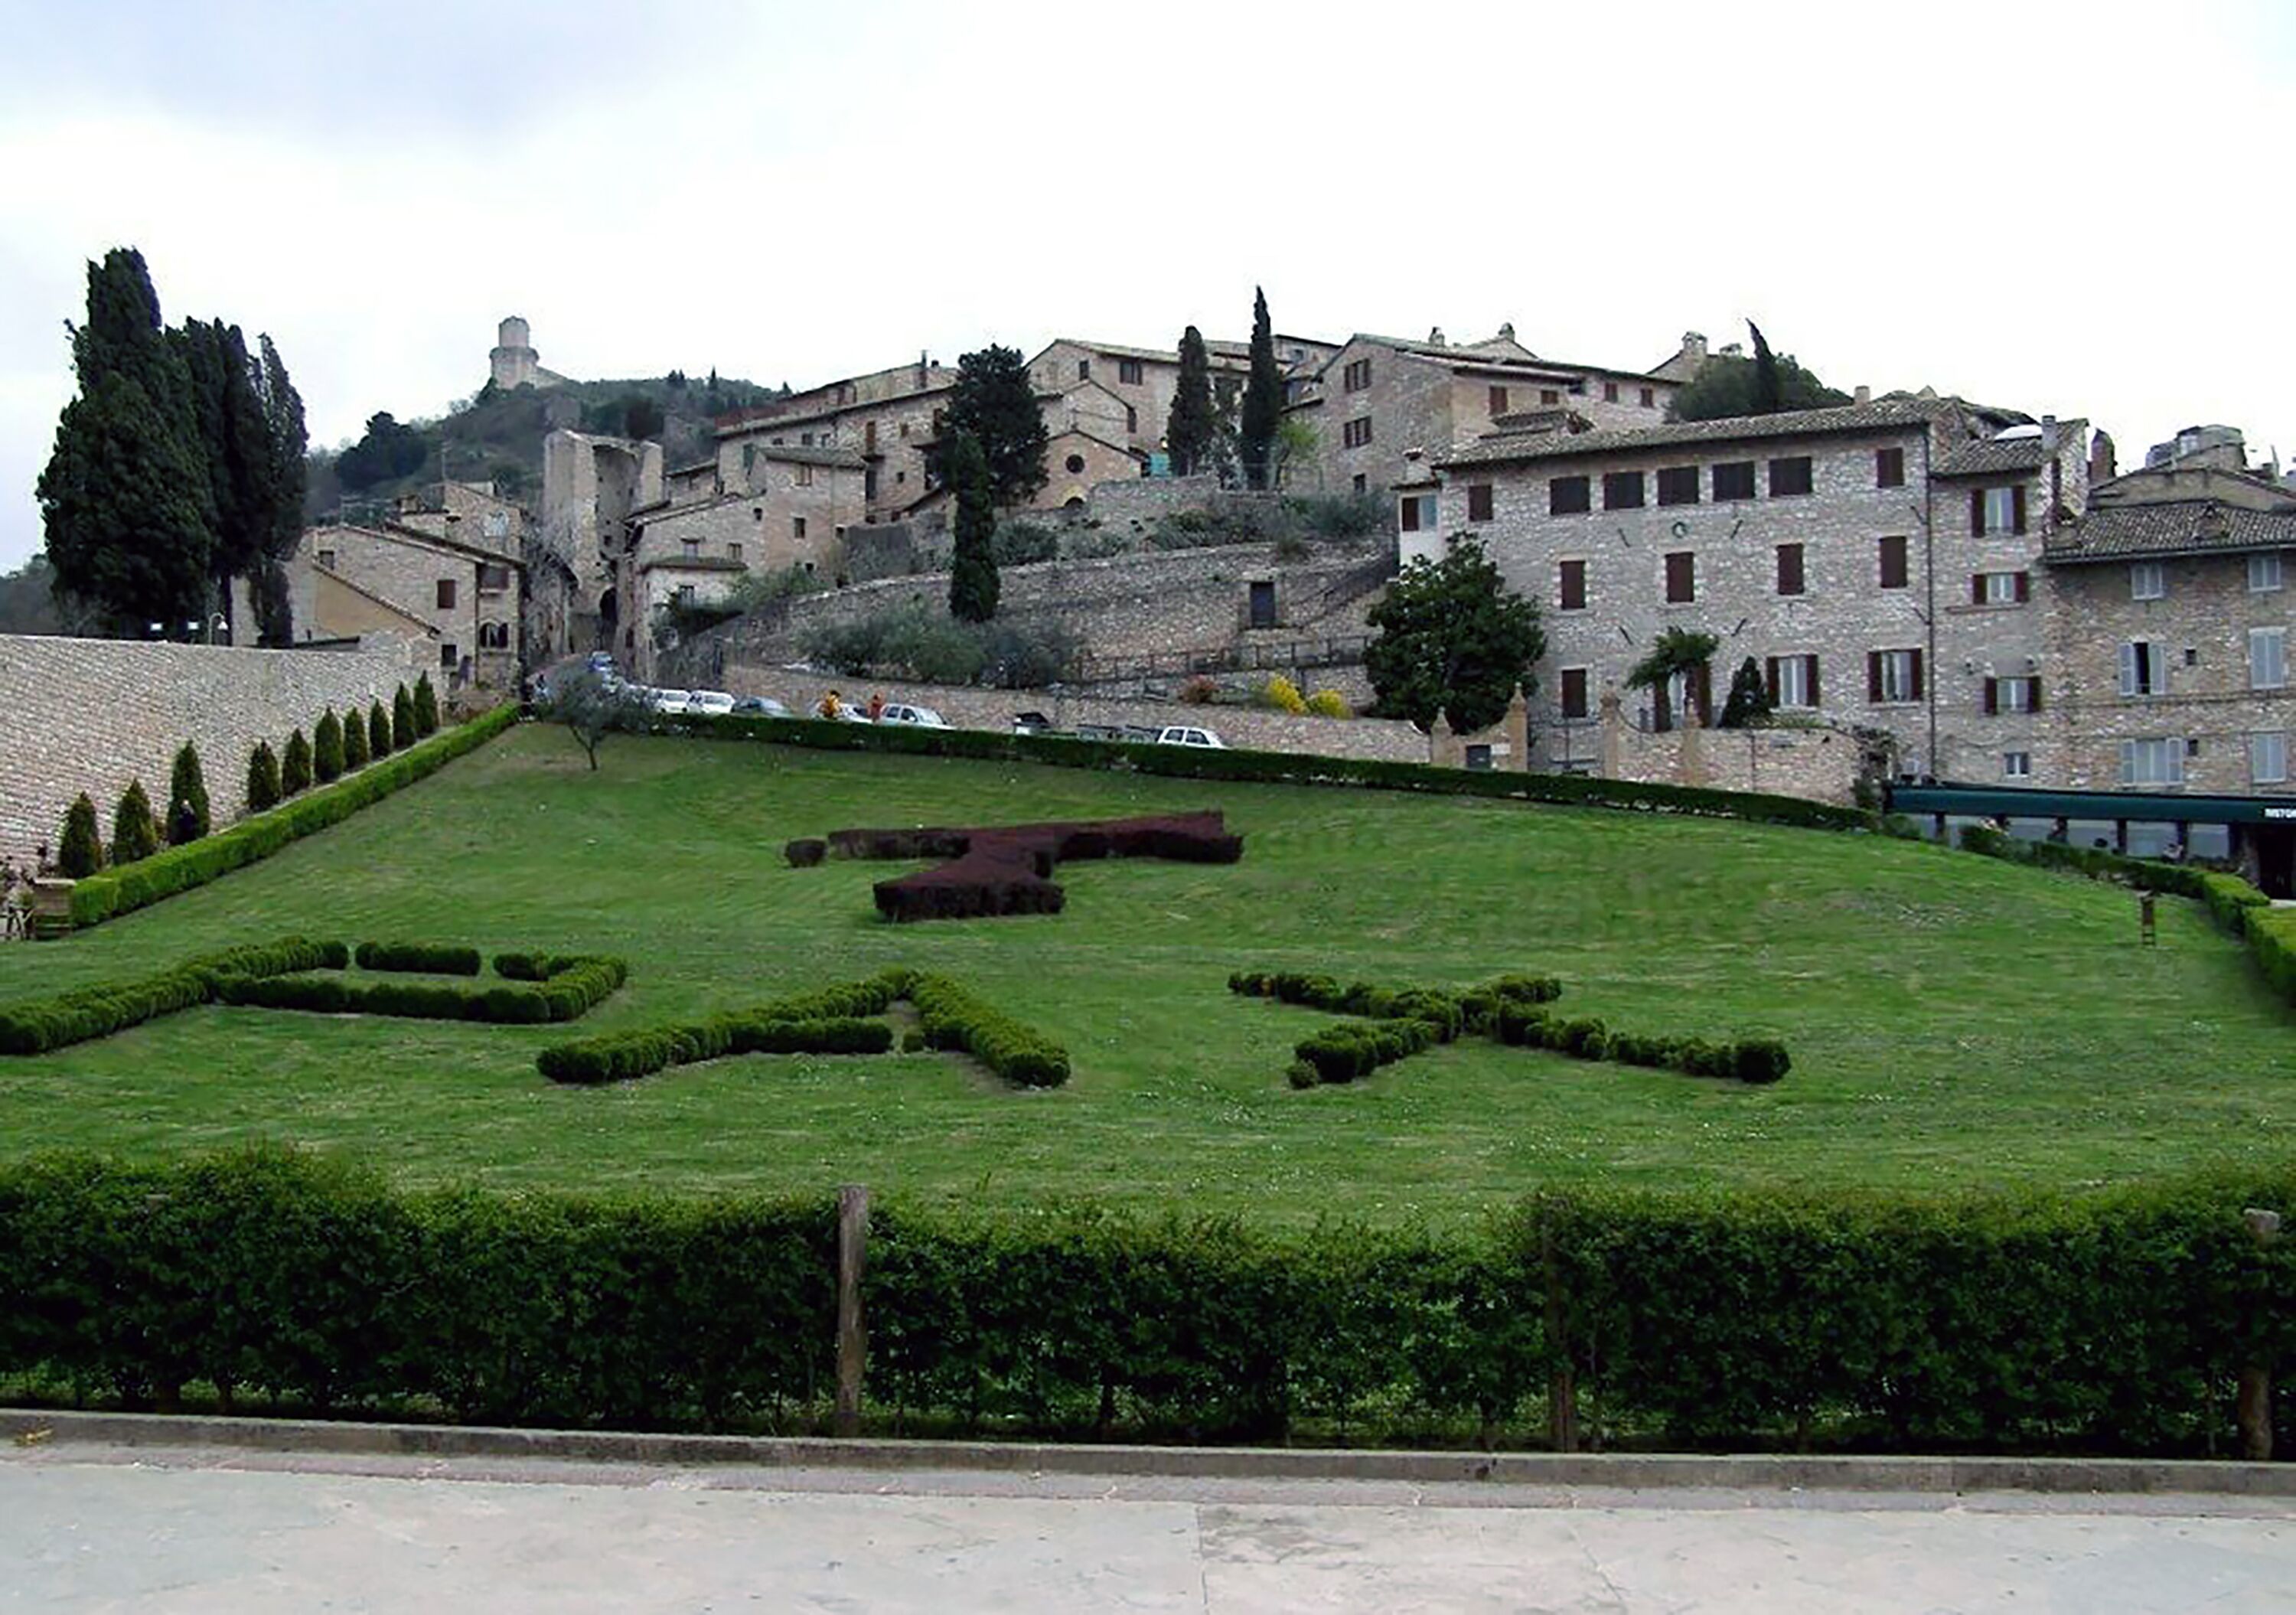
[(1977, 588), (1770, 679), (1661, 709), (1411, 515), (2032, 695), (2024, 587), (1812, 667), (2017, 498), (1992, 697), (1917, 676), (1977, 512), (1874, 675)]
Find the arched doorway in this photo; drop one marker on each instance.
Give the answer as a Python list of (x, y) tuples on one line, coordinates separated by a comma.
[(610, 612)]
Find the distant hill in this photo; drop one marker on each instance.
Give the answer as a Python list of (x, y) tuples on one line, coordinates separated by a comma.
[(497, 437)]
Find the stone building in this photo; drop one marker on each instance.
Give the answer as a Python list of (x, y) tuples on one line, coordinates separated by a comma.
[(1145, 379), (1378, 401), (347, 581), (1876, 562), (2168, 620), (513, 362), (887, 418), (590, 487)]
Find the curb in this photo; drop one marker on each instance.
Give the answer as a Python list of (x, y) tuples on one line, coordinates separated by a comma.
[(1627, 1471)]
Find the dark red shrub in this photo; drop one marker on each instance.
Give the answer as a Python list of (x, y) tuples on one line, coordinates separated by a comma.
[(1007, 869)]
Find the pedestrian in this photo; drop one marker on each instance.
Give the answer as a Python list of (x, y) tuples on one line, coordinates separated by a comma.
[(876, 706), (829, 707)]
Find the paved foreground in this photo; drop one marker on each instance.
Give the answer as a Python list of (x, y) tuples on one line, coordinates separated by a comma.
[(95, 1528)]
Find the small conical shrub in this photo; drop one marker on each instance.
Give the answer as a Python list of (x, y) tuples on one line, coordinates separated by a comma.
[(426, 707), (378, 730), (187, 787), (80, 854), (327, 747), (262, 778), (133, 835), (356, 754), (295, 768), (402, 720)]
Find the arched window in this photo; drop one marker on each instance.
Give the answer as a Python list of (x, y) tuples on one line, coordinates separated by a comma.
[(494, 636)]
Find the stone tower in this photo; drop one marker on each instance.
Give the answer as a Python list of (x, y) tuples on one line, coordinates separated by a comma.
[(515, 362)]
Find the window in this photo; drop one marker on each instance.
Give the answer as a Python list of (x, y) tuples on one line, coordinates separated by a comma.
[(493, 577), (2019, 694), (1498, 401), (1360, 483), (448, 656), (1574, 692), (1259, 599), (494, 636), (1790, 477), (1681, 577), (1127, 371), (732, 551), (1356, 376), (685, 593), (1677, 485), (1084, 370), (1418, 512), (2267, 658), (1132, 418), (1622, 490), (2152, 762), (1893, 675), (1356, 433), (1734, 480), (1893, 562), (497, 524), (1568, 496), (1610, 392), (2142, 670), (1479, 502), (1649, 399), (693, 549), (1791, 681), (2016, 765), (1888, 468), (1550, 396), (1571, 593), (446, 594), (2267, 759), (2263, 573), (797, 527), (1790, 575), (805, 439), (327, 559), (1075, 462), (2000, 588), (2145, 581), (1996, 510), (805, 476)]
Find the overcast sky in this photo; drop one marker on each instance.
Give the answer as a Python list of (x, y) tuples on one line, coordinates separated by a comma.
[(2077, 209)]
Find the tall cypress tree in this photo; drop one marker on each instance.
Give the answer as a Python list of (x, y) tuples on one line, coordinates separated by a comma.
[(1769, 389), (125, 499), (972, 581), (1192, 428), (1263, 397), (995, 404), (289, 442), (187, 787)]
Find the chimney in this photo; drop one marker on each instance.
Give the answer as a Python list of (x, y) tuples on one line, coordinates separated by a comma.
[(1864, 393), (924, 368), (1694, 347), (1506, 331), (2102, 460), (2051, 435), (1435, 336)]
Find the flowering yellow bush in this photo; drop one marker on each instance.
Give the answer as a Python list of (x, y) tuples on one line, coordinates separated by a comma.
[(1329, 703), (1281, 694)]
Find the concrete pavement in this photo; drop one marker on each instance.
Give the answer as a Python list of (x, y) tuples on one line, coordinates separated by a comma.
[(89, 1526)]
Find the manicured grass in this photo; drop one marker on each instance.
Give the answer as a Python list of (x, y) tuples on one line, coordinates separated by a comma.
[(1954, 1022)]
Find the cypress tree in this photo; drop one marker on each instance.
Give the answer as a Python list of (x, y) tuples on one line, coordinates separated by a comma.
[(995, 404), (288, 442), (187, 785), (378, 731), (262, 778), (80, 852), (355, 752), (402, 720), (133, 835), (1750, 696), (972, 581), (1191, 429), (1769, 389), (327, 747), (295, 768), (1263, 397), (426, 707)]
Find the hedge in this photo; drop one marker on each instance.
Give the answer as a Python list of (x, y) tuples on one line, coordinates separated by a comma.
[(577, 984), (831, 1020), (83, 1014), (2111, 1322), (102, 896), (1271, 768), (1006, 869), (954, 1019), (427, 958)]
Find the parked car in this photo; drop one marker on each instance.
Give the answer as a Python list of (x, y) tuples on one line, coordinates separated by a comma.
[(1188, 734), (709, 703), (1031, 723), (669, 703), (760, 706), (897, 712), (601, 662)]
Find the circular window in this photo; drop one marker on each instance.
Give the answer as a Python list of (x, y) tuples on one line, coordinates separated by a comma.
[(1075, 463)]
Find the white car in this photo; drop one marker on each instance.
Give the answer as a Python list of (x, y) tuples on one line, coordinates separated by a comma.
[(760, 706), (1188, 734), (669, 703), (709, 703), (899, 713)]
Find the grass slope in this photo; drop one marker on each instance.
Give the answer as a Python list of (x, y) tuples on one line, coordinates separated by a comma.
[(1955, 1022)]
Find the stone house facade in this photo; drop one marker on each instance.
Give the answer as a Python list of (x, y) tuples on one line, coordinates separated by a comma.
[(345, 581), (2169, 616), (1145, 379), (888, 418), (591, 484)]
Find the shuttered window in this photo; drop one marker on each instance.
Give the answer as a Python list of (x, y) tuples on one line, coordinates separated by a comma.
[(1790, 681), (1498, 401), (1997, 511), (1893, 675), (1679, 485), (1790, 477), (1572, 590), (1574, 692), (1790, 579), (1734, 480), (1622, 490), (1681, 577), (1893, 562), (1569, 497), (1888, 468), (1479, 502)]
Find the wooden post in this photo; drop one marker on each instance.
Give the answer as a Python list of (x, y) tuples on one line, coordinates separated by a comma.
[(2147, 918), (1561, 1386), (852, 1342), (2253, 1410)]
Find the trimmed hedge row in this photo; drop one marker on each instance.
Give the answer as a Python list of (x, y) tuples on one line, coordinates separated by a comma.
[(113, 892), (1750, 1059), (2110, 1323), (88, 1013), (831, 1020), (567, 994), (424, 958), (1272, 768), (1342, 1053), (954, 1019), (1007, 869)]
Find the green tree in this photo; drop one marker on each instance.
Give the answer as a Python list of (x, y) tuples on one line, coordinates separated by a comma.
[(592, 709), (289, 446), (1192, 428), (426, 707), (1749, 697), (27, 600), (402, 720), (1295, 447), (1263, 399), (358, 753), (386, 451), (134, 834), (1451, 637), (995, 404), (80, 852), (125, 499), (295, 767), (972, 581), (1689, 651), (1731, 384), (378, 731), (327, 747), (263, 783), (187, 787), (235, 444)]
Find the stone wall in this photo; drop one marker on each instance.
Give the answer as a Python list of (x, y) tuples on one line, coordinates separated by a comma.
[(92, 714), (1818, 761)]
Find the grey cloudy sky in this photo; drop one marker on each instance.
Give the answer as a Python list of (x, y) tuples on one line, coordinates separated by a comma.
[(2081, 209)]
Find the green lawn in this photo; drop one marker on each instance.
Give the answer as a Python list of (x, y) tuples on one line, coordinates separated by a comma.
[(1953, 1020)]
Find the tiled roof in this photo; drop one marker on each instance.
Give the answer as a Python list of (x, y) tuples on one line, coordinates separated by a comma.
[(1479, 355), (2186, 527), (1506, 448), (692, 563), (1990, 457)]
